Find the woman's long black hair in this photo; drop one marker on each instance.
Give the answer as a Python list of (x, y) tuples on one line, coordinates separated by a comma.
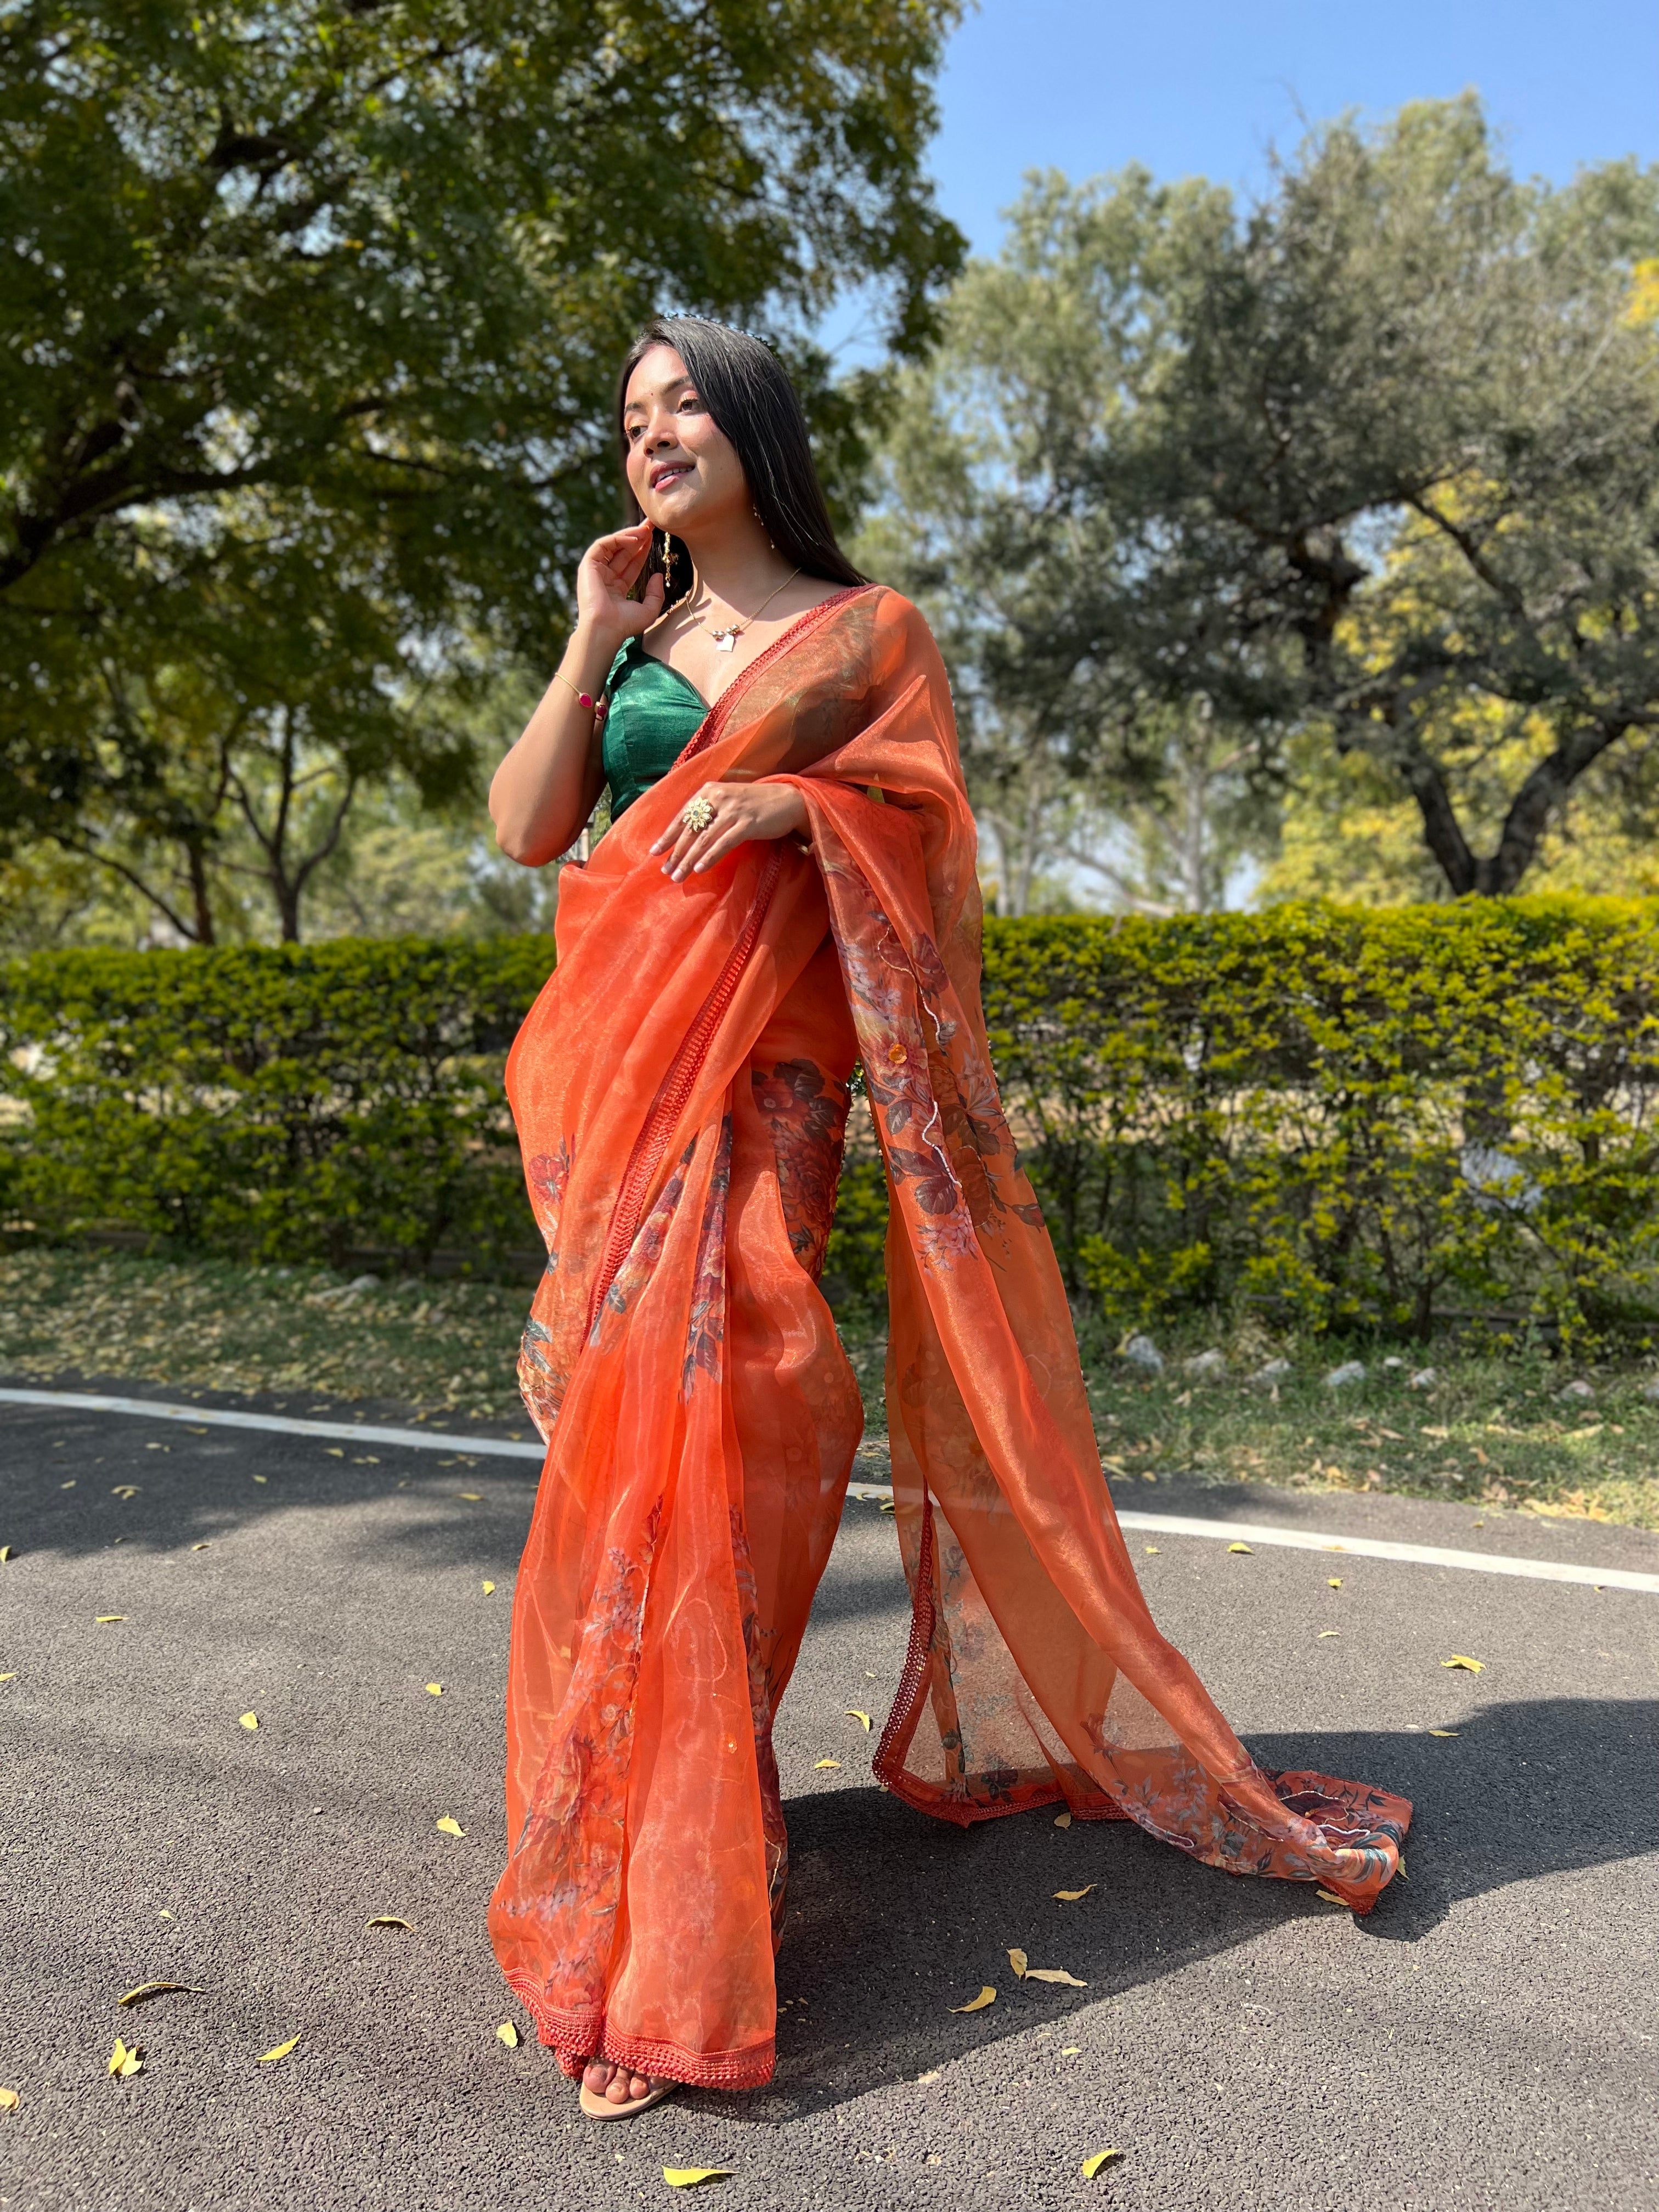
[(747, 390)]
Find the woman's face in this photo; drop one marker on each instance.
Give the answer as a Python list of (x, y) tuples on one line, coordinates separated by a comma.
[(684, 473)]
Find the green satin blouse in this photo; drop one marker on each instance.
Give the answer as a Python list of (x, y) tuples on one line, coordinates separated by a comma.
[(653, 712)]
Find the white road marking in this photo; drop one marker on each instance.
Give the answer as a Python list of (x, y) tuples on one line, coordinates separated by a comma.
[(1169, 1524), (156, 1409)]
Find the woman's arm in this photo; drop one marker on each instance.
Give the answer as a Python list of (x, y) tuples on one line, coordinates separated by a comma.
[(543, 793)]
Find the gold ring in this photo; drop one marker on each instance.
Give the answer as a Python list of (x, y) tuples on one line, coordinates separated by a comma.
[(698, 815)]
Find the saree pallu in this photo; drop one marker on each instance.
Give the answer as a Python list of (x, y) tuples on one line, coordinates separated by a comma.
[(680, 1092)]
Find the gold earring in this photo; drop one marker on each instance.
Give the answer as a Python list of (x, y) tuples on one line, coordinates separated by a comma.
[(667, 562)]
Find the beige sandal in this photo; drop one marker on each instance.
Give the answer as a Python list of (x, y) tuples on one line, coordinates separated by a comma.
[(600, 2107)]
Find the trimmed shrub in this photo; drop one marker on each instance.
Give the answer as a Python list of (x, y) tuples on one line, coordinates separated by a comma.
[(1354, 1117)]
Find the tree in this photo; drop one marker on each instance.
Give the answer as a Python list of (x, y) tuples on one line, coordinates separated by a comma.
[(343, 283), (1377, 460)]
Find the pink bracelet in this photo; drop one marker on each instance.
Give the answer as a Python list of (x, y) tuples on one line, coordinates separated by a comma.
[(583, 698)]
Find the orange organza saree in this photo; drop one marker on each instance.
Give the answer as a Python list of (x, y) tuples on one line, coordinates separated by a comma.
[(680, 1092)]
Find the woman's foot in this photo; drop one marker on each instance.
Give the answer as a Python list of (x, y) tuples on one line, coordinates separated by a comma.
[(610, 2092)]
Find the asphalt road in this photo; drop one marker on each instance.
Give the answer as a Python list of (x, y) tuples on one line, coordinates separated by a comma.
[(1487, 2038)]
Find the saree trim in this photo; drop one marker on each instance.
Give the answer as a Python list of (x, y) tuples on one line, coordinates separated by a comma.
[(578, 2038)]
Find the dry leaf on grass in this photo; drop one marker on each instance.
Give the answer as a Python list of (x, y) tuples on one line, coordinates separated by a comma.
[(1062, 1819), (1238, 1547), (1331, 1898), (688, 2177), (125, 2059), (986, 1996), (821, 1764), (1052, 1974), (854, 1714), (9, 2101), (1096, 2159), (278, 2050), (158, 1990), (508, 2035), (1016, 1960), (447, 1826), (249, 1722), (1448, 1732), (1071, 1896), (1461, 1659), (388, 1920)]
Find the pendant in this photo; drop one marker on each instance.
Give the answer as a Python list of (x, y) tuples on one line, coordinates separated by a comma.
[(725, 640)]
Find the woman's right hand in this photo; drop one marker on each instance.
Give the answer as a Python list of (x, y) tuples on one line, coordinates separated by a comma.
[(606, 574)]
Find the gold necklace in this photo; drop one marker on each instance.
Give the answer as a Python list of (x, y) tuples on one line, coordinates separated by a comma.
[(725, 640)]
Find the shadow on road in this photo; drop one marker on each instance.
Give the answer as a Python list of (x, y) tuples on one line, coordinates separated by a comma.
[(903, 1917)]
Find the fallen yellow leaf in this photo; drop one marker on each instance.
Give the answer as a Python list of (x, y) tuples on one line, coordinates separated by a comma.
[(508, 2035), (249, 1722), (472, 1497), (435, 1689), (6, 1551), (1062, 1819), (1054, 1974), (854, 1714), (447, 1826), (104, 1619), (1330, 1898), (1071, 2050), (1149, 1548), (125, 2059), (1016, 1960), (198, 1547), (1095, 2160), (262, 1478), (158, 1990), (1238, 1547), (387, 1920), (1444, 1732), (125, 1490), (1334, 1582), (986, 1996), (489, 1590), (8, 1678), (688, 2177), (1071, 1896), (1461, 1659), (822, 1763), (884, 1505), (278, 2050), (9, 2101), (1324, 1632), (334, 1451)]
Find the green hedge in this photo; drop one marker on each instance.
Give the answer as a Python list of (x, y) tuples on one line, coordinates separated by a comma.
[(1351, 1117)]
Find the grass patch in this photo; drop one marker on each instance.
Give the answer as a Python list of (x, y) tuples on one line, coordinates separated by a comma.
[(1493, 1431)]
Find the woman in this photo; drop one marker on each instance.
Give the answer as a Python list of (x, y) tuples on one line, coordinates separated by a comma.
[(788, 886)]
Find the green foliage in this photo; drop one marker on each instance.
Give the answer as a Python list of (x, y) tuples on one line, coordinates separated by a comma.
[(1354, 1118), (1377, 460), (272, 1104), (311, 319)]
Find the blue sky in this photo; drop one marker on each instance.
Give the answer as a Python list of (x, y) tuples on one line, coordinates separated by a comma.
[(1203, 87)]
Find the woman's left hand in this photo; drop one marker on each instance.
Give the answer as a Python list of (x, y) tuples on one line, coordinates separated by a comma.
[(741, 811)]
